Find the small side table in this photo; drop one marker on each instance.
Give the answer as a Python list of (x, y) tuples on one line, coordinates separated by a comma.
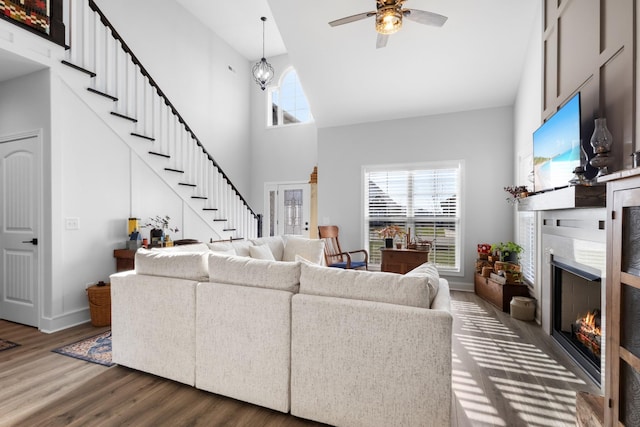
[(402, 260), (125, 259)]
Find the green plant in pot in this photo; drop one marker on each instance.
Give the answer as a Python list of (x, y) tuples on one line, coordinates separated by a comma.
[(508, 252)]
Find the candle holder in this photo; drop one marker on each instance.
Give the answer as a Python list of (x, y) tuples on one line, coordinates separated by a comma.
[(581, 169), (601, 141)]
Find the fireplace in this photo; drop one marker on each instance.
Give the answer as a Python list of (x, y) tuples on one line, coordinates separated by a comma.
[(576, 313), (572, 283)]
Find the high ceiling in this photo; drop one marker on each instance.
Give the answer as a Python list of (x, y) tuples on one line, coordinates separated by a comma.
[(474, 61)]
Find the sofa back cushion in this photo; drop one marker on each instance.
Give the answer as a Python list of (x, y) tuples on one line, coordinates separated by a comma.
[(260, 273), (364, 285), (178, 264), (195, 247), (429, 271)]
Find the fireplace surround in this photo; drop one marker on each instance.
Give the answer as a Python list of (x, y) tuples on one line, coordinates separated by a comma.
[(572, 280), (571, 249)]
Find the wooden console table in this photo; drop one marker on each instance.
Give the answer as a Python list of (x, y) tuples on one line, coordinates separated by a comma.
[(124, 259), (402, 260), (498, 294)]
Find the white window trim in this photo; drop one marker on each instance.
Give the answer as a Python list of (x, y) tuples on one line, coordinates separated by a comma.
[(269, 113), (440, 164)]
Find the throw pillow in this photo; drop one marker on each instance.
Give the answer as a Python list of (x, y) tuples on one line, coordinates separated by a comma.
[(261, 252), (242, 247), (221, 248), (310, 249), (276, 244)]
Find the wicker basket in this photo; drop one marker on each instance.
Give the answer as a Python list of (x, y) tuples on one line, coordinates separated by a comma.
[(100, 304)]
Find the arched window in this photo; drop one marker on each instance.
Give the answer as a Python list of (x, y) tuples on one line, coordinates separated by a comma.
[(287, 102)]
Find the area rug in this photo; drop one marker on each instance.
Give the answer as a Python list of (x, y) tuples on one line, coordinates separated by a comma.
[(6, 345), (96, 349)]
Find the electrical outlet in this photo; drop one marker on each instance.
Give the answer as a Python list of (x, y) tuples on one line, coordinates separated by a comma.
[(72, 223)]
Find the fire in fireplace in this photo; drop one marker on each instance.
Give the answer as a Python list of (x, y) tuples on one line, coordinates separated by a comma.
[(586, 330), (576, 314)]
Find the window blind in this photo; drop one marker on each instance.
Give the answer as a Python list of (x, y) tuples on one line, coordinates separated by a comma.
[(527, 239), (424, 199)]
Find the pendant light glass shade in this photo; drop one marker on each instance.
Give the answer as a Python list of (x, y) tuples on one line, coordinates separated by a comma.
[(262, 71)]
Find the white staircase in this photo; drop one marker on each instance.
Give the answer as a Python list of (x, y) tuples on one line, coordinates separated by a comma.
[(122, 92)]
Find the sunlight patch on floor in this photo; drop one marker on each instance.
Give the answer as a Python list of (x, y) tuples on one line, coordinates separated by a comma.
[(525, 365), (477, 406)]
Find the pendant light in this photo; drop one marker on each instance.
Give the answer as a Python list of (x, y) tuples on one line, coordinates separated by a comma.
[(262, 71)]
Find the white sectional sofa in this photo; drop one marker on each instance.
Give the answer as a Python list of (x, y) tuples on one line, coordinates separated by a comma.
[(348, 348)]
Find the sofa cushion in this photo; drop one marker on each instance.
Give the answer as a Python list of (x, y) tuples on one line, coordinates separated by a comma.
[(276, 244), (429, 271), (260, 273), (365, 285), (181, 265), (310, 249), (261, 252), (195, 247)]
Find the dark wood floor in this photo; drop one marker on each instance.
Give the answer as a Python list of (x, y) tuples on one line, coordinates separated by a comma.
[(505, 373)]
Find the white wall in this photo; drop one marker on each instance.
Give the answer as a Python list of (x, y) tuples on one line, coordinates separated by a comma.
[(281, 154), (192, 66), (482, 138)]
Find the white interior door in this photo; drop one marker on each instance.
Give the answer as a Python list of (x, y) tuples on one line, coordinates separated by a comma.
[(287, 209), (19, 226)]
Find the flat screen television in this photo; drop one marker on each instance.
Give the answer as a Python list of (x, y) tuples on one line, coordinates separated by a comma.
[(556, 147)]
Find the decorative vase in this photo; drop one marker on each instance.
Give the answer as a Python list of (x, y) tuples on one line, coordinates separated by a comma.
[(388, 243), (601, 141)]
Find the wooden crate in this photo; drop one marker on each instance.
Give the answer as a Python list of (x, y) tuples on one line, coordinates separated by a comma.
[(498, 294)]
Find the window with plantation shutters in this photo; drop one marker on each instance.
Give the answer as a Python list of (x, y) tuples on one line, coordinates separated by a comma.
[(527, 239), (421, 198)]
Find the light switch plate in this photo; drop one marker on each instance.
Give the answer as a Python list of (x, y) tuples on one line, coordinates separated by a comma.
[(72, 223)]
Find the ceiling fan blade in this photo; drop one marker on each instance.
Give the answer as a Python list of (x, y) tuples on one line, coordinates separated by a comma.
[(382, 40), (424, 17), (352, 18)]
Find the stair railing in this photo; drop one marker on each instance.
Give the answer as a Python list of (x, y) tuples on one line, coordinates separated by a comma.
[(96, 48)]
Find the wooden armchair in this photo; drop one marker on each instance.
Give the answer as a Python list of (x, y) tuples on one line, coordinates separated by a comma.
[(333, 254)]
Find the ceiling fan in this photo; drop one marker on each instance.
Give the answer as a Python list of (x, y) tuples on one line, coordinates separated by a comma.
[(389, 14)]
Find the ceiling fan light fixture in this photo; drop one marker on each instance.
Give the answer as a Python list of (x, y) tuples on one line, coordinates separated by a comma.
[(262, 71), (388, 20)]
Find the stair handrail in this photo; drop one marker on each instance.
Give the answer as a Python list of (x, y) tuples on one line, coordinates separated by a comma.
[(168, 103)]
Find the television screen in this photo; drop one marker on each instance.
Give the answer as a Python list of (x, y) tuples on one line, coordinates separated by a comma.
[(556, 147)]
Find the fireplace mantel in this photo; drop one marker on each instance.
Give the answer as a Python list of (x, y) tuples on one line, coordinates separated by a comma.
[(577, 196)]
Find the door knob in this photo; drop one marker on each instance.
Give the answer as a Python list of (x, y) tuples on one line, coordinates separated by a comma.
[(33, 241)]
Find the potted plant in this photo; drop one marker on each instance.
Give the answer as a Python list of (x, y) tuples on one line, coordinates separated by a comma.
[(508, 252), (389, 233)]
